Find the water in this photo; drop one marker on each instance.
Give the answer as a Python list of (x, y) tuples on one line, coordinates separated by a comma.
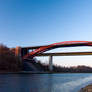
[(44, 82)]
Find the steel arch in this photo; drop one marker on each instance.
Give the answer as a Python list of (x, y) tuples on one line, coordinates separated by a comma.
[(57, 45)]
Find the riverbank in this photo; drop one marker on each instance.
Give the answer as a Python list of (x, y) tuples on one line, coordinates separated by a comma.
[(87, 88), (25, 72), (38, 72)]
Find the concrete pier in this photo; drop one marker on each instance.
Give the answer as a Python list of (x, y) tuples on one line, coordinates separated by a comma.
[(50, 63)]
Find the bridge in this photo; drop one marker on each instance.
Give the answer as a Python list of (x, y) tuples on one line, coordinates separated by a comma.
[(33, 51)]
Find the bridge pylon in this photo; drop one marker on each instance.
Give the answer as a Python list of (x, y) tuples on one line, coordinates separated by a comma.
[(18, 51), (50, 63)]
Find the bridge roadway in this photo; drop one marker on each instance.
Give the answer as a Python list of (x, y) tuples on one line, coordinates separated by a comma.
[(65, 54), (63, 45)]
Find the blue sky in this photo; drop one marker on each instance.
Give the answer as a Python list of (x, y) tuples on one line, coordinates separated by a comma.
[(40, 22)]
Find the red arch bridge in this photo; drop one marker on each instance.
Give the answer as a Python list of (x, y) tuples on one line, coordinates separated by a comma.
[(24, 53)]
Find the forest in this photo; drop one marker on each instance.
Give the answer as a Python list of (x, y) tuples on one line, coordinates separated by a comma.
[(8, 60)]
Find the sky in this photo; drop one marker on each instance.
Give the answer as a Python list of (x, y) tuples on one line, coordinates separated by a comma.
[(43, 22)]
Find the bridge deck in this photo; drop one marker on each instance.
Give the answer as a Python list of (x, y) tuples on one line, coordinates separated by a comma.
[(66, 54), (56, 46)]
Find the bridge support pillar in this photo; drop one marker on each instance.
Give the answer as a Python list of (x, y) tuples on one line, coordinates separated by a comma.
[(50, 63), (18, 51)]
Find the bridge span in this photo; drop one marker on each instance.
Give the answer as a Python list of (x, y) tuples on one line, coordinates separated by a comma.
[(66, 54), (24, 52)]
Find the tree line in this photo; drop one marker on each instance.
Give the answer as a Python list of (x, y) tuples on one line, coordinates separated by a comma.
[(63, 69)]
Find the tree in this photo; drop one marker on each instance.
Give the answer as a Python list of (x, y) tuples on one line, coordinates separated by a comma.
[(8, 61)]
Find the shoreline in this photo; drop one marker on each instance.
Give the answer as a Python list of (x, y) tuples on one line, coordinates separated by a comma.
[(34, 72), (87, 88), (24, 72)]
